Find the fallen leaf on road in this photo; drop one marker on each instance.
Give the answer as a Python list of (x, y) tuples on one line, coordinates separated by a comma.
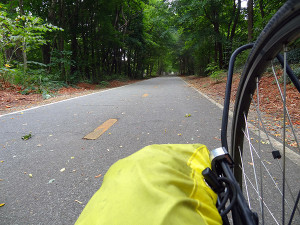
[(179, 134), (294, 144), (98, 176), (187, 115), (1, 179), (39, 145), (78, 201), (51, 181), (2, 161), (250, 163), (63, 169), (267, 162), (72, 157), (2, 204), (30, 175), (26, 137)]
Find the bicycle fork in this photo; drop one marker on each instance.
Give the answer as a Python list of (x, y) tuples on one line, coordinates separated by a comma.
[(223, 182)]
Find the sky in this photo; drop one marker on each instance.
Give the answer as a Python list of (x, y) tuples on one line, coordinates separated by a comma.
[(244, 4)]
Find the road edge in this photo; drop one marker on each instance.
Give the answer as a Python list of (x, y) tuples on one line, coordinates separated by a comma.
[(293, 156)]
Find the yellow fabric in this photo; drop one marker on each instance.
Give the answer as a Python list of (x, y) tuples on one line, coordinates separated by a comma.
[(158, 185)]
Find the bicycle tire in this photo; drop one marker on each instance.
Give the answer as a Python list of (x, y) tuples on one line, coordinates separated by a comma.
[(283, 28)]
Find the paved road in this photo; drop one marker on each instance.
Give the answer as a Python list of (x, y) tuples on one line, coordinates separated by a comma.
[(64, 165)]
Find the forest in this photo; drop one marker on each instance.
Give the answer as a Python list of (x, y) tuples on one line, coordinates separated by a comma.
[(57, 42)]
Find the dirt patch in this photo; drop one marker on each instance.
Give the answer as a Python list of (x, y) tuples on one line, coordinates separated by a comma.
[(12, 99)]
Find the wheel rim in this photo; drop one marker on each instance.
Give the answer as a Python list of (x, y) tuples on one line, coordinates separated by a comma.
[(243, 127)]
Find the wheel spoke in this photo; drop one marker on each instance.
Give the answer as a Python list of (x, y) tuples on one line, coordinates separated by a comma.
[(284, 133), (245, 181), (259, 150), (262, 125), (269, 173), (253, 163), (287, 111), (263, 201)]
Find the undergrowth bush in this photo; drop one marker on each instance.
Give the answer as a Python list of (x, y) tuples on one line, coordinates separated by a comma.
[(214, 72), (119, 77), (36, 79), (103, 83), (297, 72)]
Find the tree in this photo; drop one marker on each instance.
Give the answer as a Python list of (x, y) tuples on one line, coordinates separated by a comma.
[(250, 19), (29, 30)]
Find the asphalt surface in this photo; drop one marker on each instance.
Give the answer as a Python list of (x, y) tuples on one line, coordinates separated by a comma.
[(49, 178)]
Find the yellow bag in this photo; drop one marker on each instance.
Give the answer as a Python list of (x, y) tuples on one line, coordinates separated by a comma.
[(160, 184)]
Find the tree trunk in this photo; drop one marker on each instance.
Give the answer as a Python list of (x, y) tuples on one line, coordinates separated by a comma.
[(218, 45), (85, 55), (261, 8), (24, 39), (46, 53), (236, 19), (250, 19), (21, 7), (74, 45), (24, 55), (92, 43), (129, 73), (61, 44)]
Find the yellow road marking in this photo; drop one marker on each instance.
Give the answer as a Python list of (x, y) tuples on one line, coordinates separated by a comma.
[(100, 130), (145, 95)]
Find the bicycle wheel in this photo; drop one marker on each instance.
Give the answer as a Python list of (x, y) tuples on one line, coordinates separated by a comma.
[(252, 143)]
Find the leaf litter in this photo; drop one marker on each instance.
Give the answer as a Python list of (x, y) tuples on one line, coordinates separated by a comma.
[(51, 181)]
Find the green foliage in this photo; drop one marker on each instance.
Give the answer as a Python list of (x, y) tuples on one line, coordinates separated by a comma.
[(211, 30), (121, 39), (29, 30), (218, 75), (297, 72), (103, 84), (211, 67), (241, 60), (63, 59), (23, 33), (294, 55), (120, 77), (214, 72)]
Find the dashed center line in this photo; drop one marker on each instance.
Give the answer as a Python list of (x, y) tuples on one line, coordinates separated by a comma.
[(100, 130)]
